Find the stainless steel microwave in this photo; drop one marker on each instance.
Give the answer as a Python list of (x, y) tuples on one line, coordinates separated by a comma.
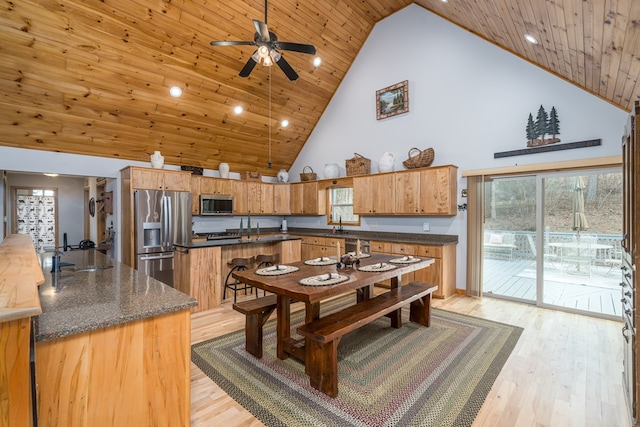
[(216, 204)]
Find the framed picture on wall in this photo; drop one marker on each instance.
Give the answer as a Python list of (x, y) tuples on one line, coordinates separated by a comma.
[(392, 100)]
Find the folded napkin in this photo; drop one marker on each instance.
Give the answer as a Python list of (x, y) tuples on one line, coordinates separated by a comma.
[(379, 265), (322, 259), (408, 258), (275, 267), (327, 276)]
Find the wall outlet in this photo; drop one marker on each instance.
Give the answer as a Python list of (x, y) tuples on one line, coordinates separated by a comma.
[(425, 226)]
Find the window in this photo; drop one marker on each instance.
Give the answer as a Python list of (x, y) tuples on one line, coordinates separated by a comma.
[(341, 207)]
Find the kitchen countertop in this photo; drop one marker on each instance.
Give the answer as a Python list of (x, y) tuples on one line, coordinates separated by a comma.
[(229, 242), (78, 301), (417, 238)]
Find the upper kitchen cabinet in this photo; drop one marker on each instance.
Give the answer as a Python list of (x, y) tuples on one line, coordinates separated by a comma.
[(307, 199), (240, 198), (220, 186), (260, 196), (374, 194), (159, 179), (429, 191), (281, 199)]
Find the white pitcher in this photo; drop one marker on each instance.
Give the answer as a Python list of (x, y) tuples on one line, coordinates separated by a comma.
[(386, 162)]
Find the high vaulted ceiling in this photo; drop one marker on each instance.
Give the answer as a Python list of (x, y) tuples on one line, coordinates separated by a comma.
[(92, 77)]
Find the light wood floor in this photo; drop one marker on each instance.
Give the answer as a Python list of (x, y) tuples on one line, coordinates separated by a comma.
[(566, 369)]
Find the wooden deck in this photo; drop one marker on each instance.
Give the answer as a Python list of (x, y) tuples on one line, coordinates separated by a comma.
[(598, 292)]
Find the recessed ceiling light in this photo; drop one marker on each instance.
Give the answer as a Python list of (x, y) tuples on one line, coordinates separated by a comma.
[(175, 91), (284, 123), (531, 39), (238, 109), (52, 175), (317, 61)]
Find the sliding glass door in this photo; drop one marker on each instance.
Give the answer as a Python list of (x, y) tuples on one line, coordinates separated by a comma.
[(554, 240), (509, 238)]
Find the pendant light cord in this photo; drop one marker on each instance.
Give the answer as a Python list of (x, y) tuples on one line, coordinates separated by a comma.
[(269, 117)]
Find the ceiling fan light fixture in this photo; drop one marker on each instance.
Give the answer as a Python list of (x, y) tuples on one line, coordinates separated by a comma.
[(284, 123), (267, 61), (238, 109), (317, 61), (531, 39)]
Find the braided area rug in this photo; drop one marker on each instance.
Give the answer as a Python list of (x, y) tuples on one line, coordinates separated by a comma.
[(412, 376)]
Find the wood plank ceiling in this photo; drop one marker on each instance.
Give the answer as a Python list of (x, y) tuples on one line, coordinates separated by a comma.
[(92, 77)]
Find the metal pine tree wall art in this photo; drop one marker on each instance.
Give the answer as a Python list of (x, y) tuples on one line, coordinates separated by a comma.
[(544, 124)]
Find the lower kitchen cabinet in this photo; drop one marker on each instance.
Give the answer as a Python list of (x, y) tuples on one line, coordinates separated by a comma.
[(442, 272), (315, 247)]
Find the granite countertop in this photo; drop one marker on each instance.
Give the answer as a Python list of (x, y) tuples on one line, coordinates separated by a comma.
[(75, 301), (228, 242), (418, 238)]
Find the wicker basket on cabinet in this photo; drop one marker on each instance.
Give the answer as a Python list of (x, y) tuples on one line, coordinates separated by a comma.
[(358, 165)]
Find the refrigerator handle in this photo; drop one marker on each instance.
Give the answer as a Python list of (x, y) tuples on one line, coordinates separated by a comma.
[(166, 207)]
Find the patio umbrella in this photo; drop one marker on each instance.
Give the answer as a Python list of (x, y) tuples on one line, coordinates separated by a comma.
[(579, 218)]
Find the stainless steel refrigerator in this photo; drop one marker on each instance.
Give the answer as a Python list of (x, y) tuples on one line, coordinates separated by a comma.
[(162, 218)]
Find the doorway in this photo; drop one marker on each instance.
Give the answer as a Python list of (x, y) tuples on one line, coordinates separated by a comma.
[(35, 213), (553, 239)]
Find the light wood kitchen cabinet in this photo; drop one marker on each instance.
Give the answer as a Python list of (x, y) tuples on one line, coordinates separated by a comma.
[(209, 185), (260, 198), (429, 191), (195, 195), (281, 199), (442, 272), (155, 179), (307, 199), (240, 198), (316, 246), (374, 194)]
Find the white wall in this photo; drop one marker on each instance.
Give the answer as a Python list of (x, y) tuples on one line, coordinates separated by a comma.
[(467, 99)]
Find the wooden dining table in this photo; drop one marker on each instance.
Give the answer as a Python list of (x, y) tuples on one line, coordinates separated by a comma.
[(287, 287)]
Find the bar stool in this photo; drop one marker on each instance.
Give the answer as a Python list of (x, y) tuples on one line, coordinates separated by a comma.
[(266, 261), (235, 285)]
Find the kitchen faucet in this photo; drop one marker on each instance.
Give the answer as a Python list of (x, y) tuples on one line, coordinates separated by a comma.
[(56, 264)]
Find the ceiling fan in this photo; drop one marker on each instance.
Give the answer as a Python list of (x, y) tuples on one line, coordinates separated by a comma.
[(268, 46)]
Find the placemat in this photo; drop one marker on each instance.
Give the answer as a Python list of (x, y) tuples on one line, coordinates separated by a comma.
[(324, 279), (405, 260), (325, 260), (276, 270), (381, 266)]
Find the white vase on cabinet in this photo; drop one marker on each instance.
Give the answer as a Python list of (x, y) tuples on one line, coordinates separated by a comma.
[(386, 162), (223, 168), (157, 160), (283, 176), (331, 170)]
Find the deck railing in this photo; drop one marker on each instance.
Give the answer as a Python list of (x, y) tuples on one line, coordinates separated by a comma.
[(525, 244)]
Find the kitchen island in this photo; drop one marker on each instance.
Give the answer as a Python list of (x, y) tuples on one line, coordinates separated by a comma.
[(201, 267), (112, 345)]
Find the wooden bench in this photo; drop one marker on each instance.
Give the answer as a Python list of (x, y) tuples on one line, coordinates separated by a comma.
[(257, 312), (323, 335)]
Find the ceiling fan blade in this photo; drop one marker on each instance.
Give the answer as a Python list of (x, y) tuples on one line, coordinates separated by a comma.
[(261, 28), (286, 68), (297, 47), (249, 66), (232, 43)]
